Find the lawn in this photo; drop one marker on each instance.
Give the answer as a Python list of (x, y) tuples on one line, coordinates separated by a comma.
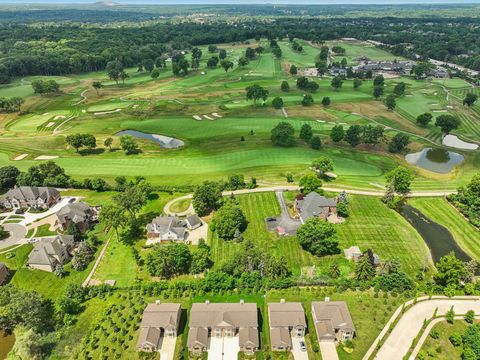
[(355, 49), (440, 211), (180, 205), (43, 230), (442, 348)]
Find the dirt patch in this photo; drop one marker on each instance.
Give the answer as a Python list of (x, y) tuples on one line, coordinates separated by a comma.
[(46, 157), (312, 112), (50, 124), (20, 157)]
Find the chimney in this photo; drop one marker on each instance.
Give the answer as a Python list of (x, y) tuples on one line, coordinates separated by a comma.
[(282, 301), (157, 302), (327, 299), (242, 301), (207, 302)]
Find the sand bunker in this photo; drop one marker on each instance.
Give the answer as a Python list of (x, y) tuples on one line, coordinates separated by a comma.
[(84, 111), (59, 117), (207, 117), (50, 124), (135, 106), (45, 114), (20, 157), (216, 115), (439, 111), (196, 117), (46, 157), (321, 121)]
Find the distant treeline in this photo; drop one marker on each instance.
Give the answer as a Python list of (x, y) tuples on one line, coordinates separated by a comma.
[(71, 48)]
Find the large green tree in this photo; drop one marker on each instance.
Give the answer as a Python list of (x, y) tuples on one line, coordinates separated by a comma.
[(283, 135), (229, 221), (318, 237), (207, 197)]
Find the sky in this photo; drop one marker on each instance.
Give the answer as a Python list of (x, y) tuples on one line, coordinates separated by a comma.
[(319, 2)]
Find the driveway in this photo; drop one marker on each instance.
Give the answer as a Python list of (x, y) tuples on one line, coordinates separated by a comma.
[(400, 339), (297, 353), (17, 234), (199, 233), (32, 217), (284, 220), (167, 350), (329, 350), (223, 348)]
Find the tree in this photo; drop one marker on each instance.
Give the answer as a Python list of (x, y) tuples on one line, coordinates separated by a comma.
[(379, 80), (342, 209), (336, 82), (302, 82), (84, 255), (277, 52), (112, 217), (326, 101), (108, 143), (128, 144), (470, 316), (307, 100), (45, 86), (243, 61), (256, 92), (424, 119), (277, 102), (213, 62), (421, 69), (357, 83), (133, 199), (322, 165), (470, 99), (353, 135), (207, 197), (315, 142), (75, 141), (372, 134), (196, 53), (285, 86), (364, 269), (334, 270), (228, 221), (283, 135), (450, 271), (28, 345), (390, 102), (400, 178), (114, 69), (398, 143), (399, 89), (155, 74), (201, 260), (293, 70), (222, 54), (149, 65), (212, 48), (310, 182), (306, 132), (312, 86), (377, 91), (97, 85), (226, 64), (447, 123), (318, 237), (8, 176), (337, 133), (167, 261), (250, 53)]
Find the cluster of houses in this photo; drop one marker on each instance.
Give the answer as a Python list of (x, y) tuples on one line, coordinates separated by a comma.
[(239, 322), (394, 67)]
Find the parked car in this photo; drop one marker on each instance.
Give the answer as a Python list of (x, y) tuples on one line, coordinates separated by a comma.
[(303, 346), (32, 240)]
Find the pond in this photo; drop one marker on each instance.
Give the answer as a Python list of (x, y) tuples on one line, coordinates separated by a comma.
[(6, 344), (438, 238), (455, 142), (437, 160), (165, 142)]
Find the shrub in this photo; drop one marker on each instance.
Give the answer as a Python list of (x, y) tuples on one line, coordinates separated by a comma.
[(456, 339)]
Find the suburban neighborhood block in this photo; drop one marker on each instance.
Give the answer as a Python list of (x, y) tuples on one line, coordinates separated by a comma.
[(286, 320), (333, 321)]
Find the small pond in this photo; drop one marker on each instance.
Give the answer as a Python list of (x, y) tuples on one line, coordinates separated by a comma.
[(165, 142), (455, 142), (439, 240), (437, 160), (6, 344)]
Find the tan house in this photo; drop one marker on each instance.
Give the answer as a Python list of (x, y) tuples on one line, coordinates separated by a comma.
[(332, 321), (159, 321), (22, 197), (315, 205), (286, 320), (223, 320), (3, 273), (50, 252), (80, 214)]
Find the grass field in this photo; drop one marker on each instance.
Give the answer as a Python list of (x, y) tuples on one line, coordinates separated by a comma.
[(355, 49), (442, 348), (440, 211)]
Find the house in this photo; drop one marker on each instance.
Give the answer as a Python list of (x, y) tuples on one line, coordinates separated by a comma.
[(286, 320), (440, 73), (332, 320), (159, 321), (193, 222), (4, 273), (82, 215), (315, 205), (336, 71), (164, 228), (223, 320), (354, 253), (30, 196), (50, 252)]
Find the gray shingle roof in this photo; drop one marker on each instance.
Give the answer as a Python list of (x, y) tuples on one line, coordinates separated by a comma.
[(31, 193), (314, 205), (331, 315), (165, 224), (47, 250)]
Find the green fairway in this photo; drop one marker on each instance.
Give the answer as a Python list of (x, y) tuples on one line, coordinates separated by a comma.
[(356, 49), (439, 210)]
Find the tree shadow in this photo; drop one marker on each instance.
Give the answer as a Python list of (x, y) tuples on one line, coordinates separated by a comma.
[(96, 151)]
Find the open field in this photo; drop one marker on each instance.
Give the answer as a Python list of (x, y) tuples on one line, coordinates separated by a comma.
[(442, 348)]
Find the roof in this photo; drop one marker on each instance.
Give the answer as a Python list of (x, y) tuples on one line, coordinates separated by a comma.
[(331, 315), (78, 212), (313, 205), (31, 193), (161, 315), (165, 224), (223, 314), (197, 336), (149, 335), (248, 337), (48, 248), (280, 337), (286, 314), (352, 251), (193, 220)]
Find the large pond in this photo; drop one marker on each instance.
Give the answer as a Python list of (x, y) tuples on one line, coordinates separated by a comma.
[(164, 141), (439, 240), (6, 344), (437, 160), (455, 142)]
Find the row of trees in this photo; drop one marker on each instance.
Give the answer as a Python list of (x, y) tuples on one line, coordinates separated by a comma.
[(9, 105)]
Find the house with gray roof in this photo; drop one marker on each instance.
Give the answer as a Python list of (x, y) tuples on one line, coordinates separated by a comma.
[(333, 321), (50, 252), (4, 273), (193, 222), (166, 228), (286, 320), (315, 205), (159, 321), (82, 215), (22, 197), (221, 320)]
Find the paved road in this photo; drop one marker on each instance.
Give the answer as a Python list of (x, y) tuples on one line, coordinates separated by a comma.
[(17, 233), (400, 339)]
